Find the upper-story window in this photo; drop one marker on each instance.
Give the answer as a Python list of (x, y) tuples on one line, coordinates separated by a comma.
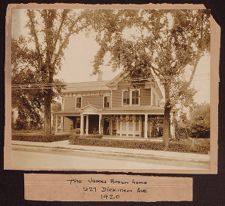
[(78, 102), (135, 97), (131, 97), (106, 101), (126, 97)]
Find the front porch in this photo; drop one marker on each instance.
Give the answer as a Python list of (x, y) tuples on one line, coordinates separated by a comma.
[(113, 125)]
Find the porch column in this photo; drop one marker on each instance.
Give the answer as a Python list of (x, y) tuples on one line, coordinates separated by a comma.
[(99, 124), (133, 118), (121, 122), (117, 125), (81, 124), (150, 129), (62, 126), (111, 125), (87, 124), (146, 127), (140, 125), (127, 124), (56, 121)]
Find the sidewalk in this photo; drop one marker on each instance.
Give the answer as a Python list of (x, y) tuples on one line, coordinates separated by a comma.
[(178, 156)]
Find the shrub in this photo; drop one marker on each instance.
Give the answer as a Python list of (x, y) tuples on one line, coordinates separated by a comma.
[(39, 137), (181, 146), (74, 137)]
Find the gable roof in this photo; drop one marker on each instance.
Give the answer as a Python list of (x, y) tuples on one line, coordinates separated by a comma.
[(101, 85), (86, 86), (123, 75)]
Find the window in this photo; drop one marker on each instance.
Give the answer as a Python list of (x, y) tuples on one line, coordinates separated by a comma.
[(135, 97), (131, 97), (137, 123), (78, 102), (126, 98), (106, 101)]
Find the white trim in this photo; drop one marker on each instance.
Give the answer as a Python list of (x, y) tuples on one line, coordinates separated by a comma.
[(111, 99), (151, 97), (78, 96), (103, 97), (139, 99), (123, 90), (130, 97), (123, 113)]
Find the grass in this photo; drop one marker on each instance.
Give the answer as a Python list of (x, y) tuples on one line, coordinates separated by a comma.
[(196, 145)]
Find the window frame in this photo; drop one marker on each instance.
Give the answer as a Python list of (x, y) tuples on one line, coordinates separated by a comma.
[(80, 102), (105, 96), (130, 91), (125, 90)]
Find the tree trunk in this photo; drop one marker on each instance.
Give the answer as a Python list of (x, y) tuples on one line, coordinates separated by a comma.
[(47, 104), (47, 113), (166, 120)]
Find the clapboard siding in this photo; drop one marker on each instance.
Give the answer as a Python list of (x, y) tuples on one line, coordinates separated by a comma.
[(96, 101), (69, 103), (117, 98), (145, 97)]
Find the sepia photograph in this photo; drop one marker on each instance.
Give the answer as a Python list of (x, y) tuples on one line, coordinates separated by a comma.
[(122, 89)]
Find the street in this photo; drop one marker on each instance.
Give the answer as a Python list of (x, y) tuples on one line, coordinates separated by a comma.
[(25, 157)]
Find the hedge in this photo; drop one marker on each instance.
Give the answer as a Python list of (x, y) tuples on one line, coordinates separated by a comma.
[(39, 137), (132, 144)]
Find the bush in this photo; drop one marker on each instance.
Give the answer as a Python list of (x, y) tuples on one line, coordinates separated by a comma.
[(181, 146), (98, 136), (73, 137), (39, 137)]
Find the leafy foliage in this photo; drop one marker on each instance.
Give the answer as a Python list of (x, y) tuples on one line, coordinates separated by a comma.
[(149, 43), (200, 120), (37, 59)]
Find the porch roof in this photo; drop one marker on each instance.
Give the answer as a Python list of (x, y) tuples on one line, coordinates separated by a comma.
[(119, 110), (67, 113), (134, 110)]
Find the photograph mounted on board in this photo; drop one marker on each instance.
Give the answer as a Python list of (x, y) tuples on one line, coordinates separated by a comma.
[(111, 88)]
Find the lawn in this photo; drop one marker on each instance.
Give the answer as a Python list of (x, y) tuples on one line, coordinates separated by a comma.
[(196, 145)]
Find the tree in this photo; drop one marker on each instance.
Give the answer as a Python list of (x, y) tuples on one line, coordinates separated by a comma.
[(42, 52), (27, 101), (154, 43), (200, 120)]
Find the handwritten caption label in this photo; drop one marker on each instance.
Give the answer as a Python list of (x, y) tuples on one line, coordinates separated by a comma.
[(112, 188), (101, 187)]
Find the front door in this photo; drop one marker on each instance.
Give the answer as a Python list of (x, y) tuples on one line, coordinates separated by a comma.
[(106, 127), (93, 124)]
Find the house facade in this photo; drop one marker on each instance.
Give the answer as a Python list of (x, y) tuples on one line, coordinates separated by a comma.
[(114, 108)]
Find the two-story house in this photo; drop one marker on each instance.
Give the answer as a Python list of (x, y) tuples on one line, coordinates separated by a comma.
[(111, 108)]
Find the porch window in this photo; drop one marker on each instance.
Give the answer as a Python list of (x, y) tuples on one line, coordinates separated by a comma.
[(126, 97), (135, 97), (137, 124), (78, 102), (106, 101)]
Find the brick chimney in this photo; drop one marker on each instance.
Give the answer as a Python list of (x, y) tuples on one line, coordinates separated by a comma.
[(100, 76)]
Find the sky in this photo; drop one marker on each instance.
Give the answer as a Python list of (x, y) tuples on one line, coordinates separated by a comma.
[(79, 55)]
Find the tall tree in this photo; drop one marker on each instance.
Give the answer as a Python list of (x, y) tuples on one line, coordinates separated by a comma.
[(148, 43), (49, 34)]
